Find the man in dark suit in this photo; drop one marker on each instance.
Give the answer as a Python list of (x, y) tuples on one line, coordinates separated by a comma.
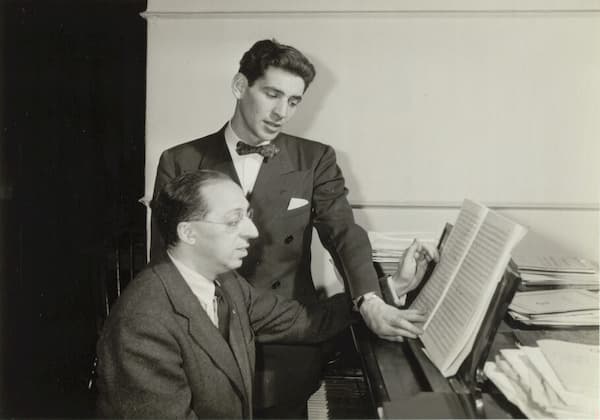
[(293, 185), (170, 349)]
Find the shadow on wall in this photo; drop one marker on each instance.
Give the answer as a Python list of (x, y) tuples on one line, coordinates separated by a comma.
[(313, 100)]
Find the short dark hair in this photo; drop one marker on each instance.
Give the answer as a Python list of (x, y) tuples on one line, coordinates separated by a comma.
[(269, 52), (181, 200)]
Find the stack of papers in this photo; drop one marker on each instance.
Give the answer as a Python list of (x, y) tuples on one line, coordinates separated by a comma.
[(545, 265), (557, 264), (560, 307), (558, 280), (388, 248), (556, 379)]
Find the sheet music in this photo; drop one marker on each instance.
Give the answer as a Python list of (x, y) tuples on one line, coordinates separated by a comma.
[(556, 264), (461, 236), (507, 381), (554, 301), (576, 365), (566, 404), (451, 331), (530, 377)]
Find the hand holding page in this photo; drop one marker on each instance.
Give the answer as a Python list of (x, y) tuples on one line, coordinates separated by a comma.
[(469, 220)]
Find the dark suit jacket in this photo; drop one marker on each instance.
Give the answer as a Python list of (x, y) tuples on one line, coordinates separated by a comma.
[(280, 258), (160, 356)]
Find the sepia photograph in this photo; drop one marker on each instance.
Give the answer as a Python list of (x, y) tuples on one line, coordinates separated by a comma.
[(299, 209)]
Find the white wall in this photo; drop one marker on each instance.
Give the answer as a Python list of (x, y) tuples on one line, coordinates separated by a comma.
[(426, 102)]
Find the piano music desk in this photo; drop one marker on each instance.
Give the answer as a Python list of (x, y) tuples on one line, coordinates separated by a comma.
[(403, 383)]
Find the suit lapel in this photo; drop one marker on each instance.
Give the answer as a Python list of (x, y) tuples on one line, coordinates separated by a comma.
[(237, 340), (272, 190), (217, 157), (201, 327), (276, 178)]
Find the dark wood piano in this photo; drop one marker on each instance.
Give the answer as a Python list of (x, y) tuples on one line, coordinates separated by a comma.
[(403, 383)]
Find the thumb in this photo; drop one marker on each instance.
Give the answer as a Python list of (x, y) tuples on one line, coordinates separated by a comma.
[(413, 247)]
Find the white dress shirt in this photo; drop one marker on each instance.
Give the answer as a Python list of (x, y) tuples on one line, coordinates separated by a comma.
[(246, 166), (203, 288)]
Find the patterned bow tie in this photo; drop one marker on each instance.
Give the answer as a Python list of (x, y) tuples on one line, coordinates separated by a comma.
[(267, 150)]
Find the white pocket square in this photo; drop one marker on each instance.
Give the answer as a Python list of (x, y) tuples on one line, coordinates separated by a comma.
[(297, 203)]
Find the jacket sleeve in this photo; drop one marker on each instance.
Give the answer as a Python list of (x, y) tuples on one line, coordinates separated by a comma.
[(166, 171), (140, 373), (347, 242), (274, 318)]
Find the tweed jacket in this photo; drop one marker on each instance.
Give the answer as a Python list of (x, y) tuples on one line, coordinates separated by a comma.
[(160, 356)]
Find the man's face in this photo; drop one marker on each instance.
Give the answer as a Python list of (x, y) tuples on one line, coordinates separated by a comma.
[(265, 107), (223, 234)]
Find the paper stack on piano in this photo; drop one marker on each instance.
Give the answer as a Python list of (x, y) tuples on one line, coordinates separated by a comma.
[(558, 288), (544, 265), (556, 379), (560, 307), (388, 248)]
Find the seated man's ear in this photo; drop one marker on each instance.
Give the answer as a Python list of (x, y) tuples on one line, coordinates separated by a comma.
[(186, 233), (239, 85)]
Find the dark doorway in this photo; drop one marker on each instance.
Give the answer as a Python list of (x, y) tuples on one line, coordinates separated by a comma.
[(72, 89)]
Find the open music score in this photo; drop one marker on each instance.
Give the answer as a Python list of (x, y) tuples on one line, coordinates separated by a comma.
[(458, 293)]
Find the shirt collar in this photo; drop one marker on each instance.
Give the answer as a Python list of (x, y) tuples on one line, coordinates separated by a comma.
[(200, 285)]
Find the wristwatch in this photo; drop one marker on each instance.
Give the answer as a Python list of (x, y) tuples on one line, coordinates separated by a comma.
[(358, 302)]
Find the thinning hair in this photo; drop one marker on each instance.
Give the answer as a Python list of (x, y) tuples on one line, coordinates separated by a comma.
[(270, 53), (182, 200)]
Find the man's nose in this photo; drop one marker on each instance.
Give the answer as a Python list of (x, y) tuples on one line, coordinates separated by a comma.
[(248, 230), (281, 109)]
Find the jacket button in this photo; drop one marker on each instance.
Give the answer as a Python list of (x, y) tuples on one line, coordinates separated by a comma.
[(276, 285), (288, 239)]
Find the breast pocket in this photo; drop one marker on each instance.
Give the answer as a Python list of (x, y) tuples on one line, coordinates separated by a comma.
[(295, 219)]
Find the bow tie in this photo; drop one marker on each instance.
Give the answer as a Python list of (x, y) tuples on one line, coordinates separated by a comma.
[(267, 150)]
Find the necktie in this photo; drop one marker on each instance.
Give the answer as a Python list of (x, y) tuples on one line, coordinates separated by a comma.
[(267, 151), (222, 312)]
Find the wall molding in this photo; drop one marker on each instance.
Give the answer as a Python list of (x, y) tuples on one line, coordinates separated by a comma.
[(233, 8), (360, 14), (443, 205)]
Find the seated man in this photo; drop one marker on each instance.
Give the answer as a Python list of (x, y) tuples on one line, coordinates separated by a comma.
[(168, 349), (180, 341)]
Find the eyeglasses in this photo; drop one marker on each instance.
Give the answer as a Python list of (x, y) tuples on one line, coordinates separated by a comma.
[(233, 220)]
